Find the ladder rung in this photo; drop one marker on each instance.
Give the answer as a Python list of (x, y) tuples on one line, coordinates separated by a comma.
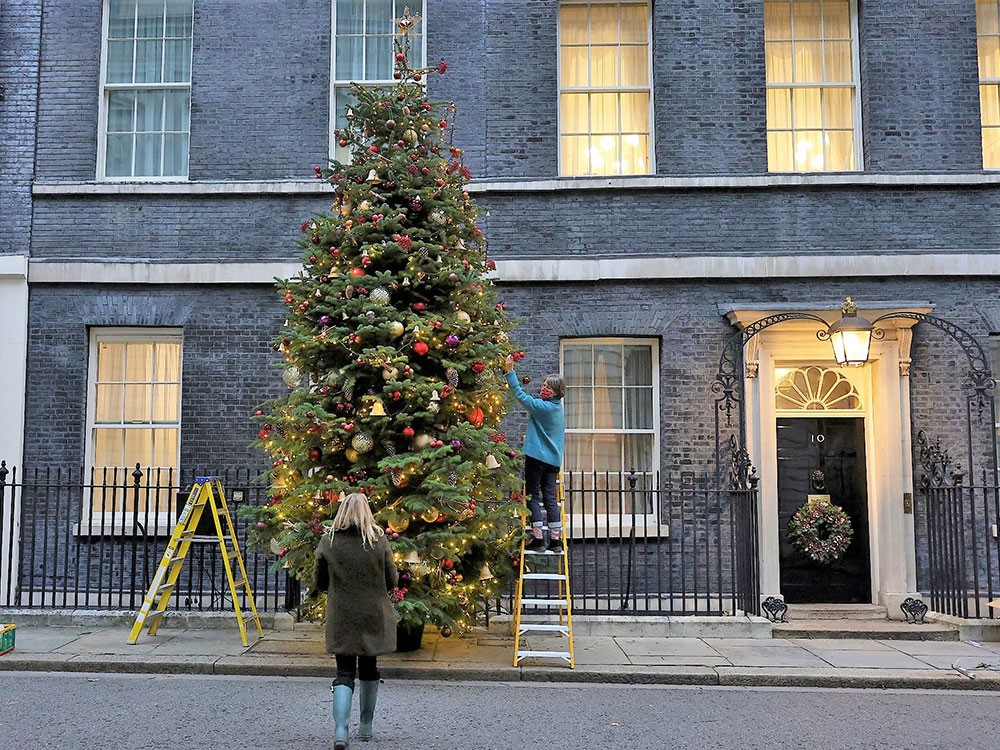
[(240, 582), (552, 654), (544, 602), (544, 577), (524, 627), (553, 553), (233, 554), (153, 615), (165, 587)]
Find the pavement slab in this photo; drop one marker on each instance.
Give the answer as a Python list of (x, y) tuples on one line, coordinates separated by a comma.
[(639, 647), (857, 658)]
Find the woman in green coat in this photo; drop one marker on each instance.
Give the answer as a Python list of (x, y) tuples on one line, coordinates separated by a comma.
[(354, 565)]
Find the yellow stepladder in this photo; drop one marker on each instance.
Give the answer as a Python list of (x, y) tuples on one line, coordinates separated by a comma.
[(207, 494), (562, 602)]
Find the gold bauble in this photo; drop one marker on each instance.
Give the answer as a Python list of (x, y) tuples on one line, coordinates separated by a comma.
[(463, 317), (390, 373), (395, 329), (421, 441), (351, 455), (399, 525), (430, 515)]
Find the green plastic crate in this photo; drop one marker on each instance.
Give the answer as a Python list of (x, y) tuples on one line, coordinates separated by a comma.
[(7, 638)]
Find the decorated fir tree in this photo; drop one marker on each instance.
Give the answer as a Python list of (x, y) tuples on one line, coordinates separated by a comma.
[(392, 353)]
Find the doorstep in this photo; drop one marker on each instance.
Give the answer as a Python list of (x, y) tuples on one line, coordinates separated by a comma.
[(652, 626)]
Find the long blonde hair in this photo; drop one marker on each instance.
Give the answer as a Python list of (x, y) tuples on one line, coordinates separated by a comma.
[(355, 511)]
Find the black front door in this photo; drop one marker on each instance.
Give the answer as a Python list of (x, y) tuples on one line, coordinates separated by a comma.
[(836, 447)]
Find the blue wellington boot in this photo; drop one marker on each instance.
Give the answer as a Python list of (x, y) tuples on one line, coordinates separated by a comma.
[(342, 697), (367, 695)]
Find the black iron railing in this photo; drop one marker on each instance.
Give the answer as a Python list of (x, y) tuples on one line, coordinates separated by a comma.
[(670, 545), (93, 539)]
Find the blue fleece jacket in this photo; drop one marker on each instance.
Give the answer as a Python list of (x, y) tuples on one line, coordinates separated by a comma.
[(544, 438)]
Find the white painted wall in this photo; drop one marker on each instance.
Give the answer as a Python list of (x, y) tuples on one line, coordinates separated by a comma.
[(13, 357)]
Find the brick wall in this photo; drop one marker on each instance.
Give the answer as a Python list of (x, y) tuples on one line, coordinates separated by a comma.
[(19, 39)]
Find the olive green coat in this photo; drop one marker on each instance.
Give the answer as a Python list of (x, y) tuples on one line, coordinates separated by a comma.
[(360, 619)]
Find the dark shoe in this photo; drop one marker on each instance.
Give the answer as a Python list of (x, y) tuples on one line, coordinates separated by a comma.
[(537, 545), (555, 545)]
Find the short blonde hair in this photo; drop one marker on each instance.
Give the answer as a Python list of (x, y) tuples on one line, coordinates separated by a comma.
[(556, 384), (355, 511)]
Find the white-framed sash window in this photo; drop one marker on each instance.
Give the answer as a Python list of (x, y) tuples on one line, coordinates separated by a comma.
[(612, 417), (363, 52), (145, 114), (813, 102), (988, 40), (133, 417), (605, 88)]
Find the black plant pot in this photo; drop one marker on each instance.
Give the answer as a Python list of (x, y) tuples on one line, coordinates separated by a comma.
[(408, 637)]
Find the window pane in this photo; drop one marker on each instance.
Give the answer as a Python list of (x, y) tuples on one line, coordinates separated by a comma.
[(137, 402), (119, 62), (149, 111), (573, 62), (638, 365), (808, 62), (989, 57), (608, 409), (779, 109), (806, 107), (175, 155), (635, 66), (350, 16), (839, 150), (578, 365), (349, 58), (809, 151), (379, 20), (121, 19), (604, 154), (109, 401), (604, 113), (986, 16), (148, 61), (635, 113), (779, 152), (180, 16), (639, 453), (579, 409), (806, 19), (608, 365), (110, 362), (378, 60), (150, 19), (575, 153), (166, 403), (837, 110), (574, 115), (148, 150), (603, 23), (778, 62), (177, 61), (838, 62), (989, 105), (634, 23), (167, 359), (608, 453), (109, 445), (138, 447), (635, 154), (579, 452), (777, 20), (118, 159), (638, 408), (991, 148), (604, 66), (138, 362), (178, 111), (165, 447), (837, 19), (120, 111)]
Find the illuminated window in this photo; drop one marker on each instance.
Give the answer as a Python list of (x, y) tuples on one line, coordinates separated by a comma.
[(134, 413), (812, 92), (604, 88), (363, 51), (988, 36), (146, 89)]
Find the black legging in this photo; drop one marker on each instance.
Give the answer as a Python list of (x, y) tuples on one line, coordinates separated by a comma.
[(349, 666)]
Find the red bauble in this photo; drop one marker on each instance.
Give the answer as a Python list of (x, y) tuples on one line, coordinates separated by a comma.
[(447, 564), (357, 272), (400, 57), (478, 367), (446, 632), (408, 432), (420, 348)]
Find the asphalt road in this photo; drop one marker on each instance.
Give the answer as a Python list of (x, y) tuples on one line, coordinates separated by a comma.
[(83, 712)]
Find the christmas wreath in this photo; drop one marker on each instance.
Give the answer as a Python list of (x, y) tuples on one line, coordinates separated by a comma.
[(820, 531)]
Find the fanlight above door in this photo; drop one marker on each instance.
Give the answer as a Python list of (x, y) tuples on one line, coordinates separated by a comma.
[(814, 389)]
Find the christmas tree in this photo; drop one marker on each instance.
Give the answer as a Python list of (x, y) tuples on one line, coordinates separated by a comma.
[(392, 353)]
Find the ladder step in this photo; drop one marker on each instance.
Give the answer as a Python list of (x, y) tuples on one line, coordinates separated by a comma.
[(539, 602), (240, 582), (233, 554), (551, 654), (525, 627), (550, 553), (544, 577), (154, 615), (164, 587)]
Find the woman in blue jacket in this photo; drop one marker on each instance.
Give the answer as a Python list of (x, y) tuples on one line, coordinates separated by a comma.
[(543, 454)]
